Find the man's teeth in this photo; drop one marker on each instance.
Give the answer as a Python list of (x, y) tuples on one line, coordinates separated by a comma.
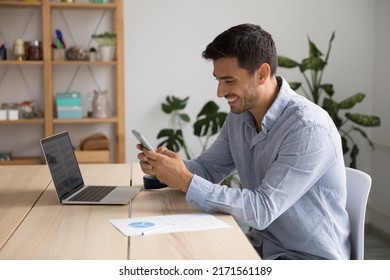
[(232, 99)]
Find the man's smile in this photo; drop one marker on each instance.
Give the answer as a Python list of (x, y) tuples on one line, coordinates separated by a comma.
[(231, 99)]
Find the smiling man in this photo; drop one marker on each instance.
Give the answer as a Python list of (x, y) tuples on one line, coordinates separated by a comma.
[(286, 150)]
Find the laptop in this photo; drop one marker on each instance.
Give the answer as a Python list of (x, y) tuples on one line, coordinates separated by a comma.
[(68, 181)]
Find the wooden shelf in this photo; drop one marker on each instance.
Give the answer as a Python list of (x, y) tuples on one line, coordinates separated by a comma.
[(87, 120), (23, 62), (14, 4), (59, 5), (83, 62), (50, 68), (76, 6), (23, 161), (23, 121)]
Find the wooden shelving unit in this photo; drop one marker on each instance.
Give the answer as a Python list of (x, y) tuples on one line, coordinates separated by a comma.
[(49, 67), (23, 161)]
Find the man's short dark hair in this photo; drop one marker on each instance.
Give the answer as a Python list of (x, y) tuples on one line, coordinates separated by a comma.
[(251, 45)]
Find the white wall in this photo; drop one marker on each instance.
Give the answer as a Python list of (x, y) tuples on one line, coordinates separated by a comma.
[(379, 206), (164, 41)]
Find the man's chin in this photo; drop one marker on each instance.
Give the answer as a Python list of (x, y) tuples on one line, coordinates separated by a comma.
[(235, 111)]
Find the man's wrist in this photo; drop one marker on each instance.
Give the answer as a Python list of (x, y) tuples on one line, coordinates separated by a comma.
[(186, 181)]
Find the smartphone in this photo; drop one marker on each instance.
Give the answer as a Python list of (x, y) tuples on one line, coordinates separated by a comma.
[(142, 140)]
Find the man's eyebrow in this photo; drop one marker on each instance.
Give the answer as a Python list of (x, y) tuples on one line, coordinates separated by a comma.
[(223, 77)]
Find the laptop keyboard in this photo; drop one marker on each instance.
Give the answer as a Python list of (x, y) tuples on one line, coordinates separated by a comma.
[(92, 193)]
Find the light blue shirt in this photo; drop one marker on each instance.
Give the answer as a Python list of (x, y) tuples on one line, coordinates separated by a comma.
[(293, 178)]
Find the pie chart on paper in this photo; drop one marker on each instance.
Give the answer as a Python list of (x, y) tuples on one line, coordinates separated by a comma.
[(141, 224)]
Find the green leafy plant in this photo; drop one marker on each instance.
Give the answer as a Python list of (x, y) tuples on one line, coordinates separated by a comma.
[(312, 69), (208, 122), (105, 39)]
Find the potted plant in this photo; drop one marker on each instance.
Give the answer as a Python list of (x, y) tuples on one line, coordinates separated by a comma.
[(312, 69), (208, 123), (106, 43), (105, 38), (92, 54)]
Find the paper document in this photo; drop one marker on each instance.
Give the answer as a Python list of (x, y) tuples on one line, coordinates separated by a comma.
[(168, 223)]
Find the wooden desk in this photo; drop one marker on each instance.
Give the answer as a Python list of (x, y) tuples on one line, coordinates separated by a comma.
[(219, 244), (47, 230), (54, 231), (20, 188)]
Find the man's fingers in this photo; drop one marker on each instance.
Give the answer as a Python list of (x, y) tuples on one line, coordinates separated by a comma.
[(161, 149), (165, 151), (169, 153)]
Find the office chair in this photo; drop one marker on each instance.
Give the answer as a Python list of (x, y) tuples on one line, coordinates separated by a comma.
[(358, 188)]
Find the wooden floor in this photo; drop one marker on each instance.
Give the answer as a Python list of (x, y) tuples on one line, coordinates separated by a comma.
[(376, 247)]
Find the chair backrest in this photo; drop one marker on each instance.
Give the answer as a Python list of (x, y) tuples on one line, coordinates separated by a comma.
[(358, 188)]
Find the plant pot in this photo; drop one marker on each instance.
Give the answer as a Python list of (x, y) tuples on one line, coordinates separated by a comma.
[(92, 56), (106, 53)]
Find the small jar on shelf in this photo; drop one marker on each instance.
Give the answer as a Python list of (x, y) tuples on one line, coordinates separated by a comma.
[(19, 51), (3, 49), (34, 50)]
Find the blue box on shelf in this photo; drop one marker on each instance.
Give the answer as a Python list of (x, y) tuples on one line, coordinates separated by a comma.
[(69, 105)]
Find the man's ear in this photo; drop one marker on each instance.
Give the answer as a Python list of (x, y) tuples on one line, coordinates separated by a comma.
[(263, 73)]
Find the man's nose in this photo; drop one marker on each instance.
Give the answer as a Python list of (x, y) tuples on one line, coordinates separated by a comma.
[(221, 91)]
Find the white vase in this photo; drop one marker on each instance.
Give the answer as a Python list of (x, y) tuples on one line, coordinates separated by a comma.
[(101, 104), (106, 53)]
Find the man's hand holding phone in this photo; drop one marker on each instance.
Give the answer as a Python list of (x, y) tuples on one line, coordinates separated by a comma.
[(144, 143), (163, 163), (141, 138)]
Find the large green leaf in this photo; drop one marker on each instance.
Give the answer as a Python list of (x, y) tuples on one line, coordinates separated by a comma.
[(364, 120), (286, 62), (364, 135), (312, 63), (209, 120), (295, 85), (184, 117), (344, 142), (173, 139), (328, 88), (167, 108), (174, 104), (332, 38), (331, 107), (351, 101), (330, 46), (313, 50), (354, 153)]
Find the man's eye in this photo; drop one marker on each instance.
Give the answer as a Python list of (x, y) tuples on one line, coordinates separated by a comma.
[(229, 82)]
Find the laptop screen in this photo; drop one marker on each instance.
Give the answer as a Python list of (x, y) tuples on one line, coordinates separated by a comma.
[(62, 162)]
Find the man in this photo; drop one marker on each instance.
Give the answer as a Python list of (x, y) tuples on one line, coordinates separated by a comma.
[(286, 150)]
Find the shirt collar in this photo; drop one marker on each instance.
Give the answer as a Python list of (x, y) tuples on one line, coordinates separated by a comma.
[(276, 109)]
